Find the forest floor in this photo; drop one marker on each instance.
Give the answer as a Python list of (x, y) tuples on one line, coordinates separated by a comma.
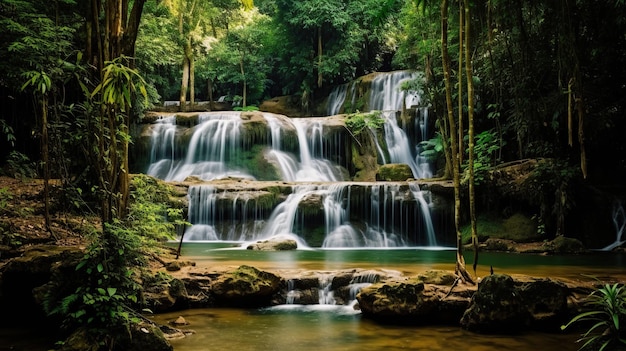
[(22, 220)]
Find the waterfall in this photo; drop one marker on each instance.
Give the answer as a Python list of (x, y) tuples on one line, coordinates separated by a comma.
[(202, 214), (619, 221), (399, 149), (386, 93), (424, 206), (312, 165), (213, 142), (337, 99)]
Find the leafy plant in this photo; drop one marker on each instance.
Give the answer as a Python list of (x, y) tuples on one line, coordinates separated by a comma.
[(356, 122), (432, 148), (606, 316), (150, 214), (105, 294), (486, 145), (19, 165)]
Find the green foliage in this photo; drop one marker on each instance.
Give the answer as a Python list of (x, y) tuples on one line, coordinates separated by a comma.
[(150, 214), (7, 130), (357, 122), (106, 292), (486, 146), (119, 83), (433, 148), (18, 165), (605, 318), (246, 109)]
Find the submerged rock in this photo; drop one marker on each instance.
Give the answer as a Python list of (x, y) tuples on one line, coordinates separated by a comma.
[(274, 245)]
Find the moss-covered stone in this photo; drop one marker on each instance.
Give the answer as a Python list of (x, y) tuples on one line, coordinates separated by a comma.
[(394, 172)]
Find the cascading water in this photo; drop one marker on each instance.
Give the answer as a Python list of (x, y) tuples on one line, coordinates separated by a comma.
[(353, 215), (619, 221), (213, 141), (387, 94)]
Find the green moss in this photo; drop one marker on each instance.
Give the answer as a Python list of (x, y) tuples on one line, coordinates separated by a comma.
[(394, 172), (254, 162), (486, 227), (518, 228)]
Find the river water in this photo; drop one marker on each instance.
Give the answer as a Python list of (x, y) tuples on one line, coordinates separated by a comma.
[(328, 327)]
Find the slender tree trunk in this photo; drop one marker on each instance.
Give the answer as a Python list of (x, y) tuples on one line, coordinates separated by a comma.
[(460, 260), (470, 132), (245, 85), (319, 53), (192, 78), (45, 159), (460, 81)]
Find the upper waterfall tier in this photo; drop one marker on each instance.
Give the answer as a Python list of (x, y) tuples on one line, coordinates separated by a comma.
[(382, 91), (265, 146)]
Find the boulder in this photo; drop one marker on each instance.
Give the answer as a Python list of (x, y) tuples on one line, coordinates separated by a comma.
[(246, 287), (546, 301), (497, 307), (278, 244), (394, 172), (412, 301)]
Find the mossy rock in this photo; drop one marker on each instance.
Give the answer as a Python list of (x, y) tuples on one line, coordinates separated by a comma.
[(563, 245), (394, 172)]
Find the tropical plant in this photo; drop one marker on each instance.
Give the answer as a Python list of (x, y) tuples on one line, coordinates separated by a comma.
[(486, 148), (357, 122), (106, 294), (606, 318)]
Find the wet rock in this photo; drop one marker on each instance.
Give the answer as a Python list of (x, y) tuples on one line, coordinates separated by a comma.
[(546, 301), (394, 172), (246, 286), (274, 245), (563, 245), (497, 307), (412, 301), (142, 336)]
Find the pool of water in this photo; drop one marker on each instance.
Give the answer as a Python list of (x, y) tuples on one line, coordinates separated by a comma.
[(306, 328), (325, 327), (406, 260)]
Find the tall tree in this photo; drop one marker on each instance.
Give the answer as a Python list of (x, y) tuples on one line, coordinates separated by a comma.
[(460, 268), (114, 27)]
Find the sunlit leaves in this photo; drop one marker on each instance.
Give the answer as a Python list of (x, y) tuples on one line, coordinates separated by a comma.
[(119, 83)]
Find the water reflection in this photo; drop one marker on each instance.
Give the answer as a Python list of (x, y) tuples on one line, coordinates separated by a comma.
[(335, 328)]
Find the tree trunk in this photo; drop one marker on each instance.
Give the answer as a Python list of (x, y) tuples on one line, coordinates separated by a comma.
[(319, 55), (46, 166), (470, 118), (460, 82), (460, 260), (245, 86)]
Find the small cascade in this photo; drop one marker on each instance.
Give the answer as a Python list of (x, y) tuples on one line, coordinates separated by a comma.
[(202, 213), (332, 289), (281, 222), (400, 150), (337, 98), (213, 142), (312, 166), (619, 221), (326, 294), (386, 93), (424, 200), (383, 217)]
